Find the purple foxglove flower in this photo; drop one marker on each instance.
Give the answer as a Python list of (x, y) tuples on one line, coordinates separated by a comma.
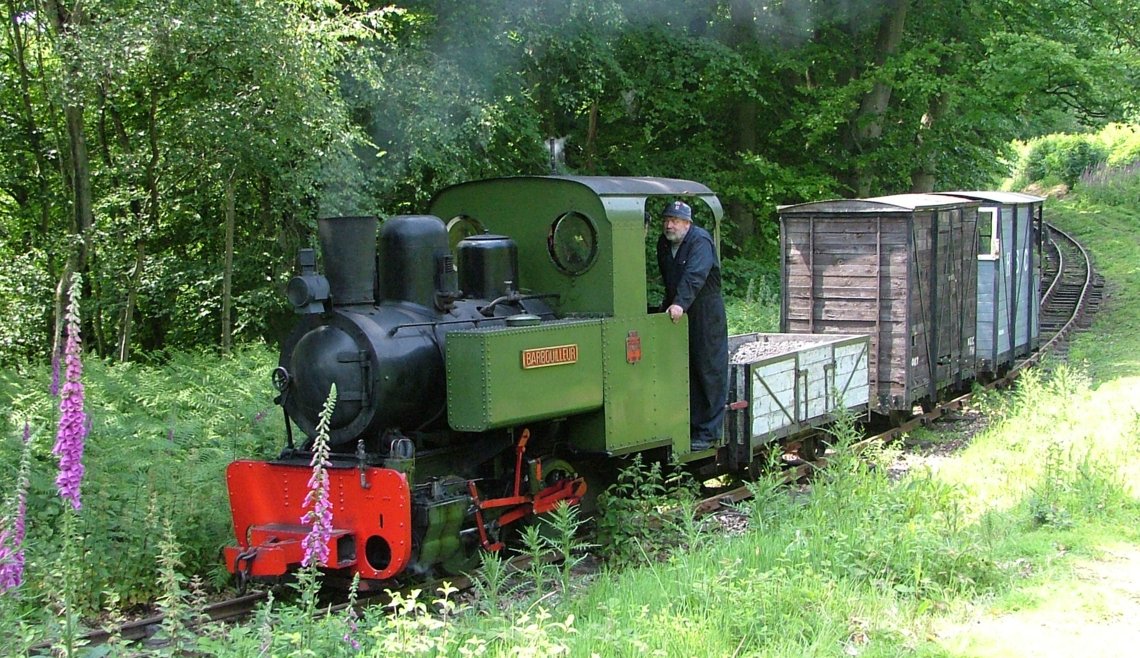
[(12, 539), (353, 628), (316, 543), (72, 420), (55, 373), (11, 562)]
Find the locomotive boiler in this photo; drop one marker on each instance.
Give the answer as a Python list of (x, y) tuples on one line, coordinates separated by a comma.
[(375, 326)]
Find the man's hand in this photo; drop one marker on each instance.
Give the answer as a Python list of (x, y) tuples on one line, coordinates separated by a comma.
[(675, 312)]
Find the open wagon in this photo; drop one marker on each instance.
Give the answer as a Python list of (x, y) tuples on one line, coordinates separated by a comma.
[(787, 385)]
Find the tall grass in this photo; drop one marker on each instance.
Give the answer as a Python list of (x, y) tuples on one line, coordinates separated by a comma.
[(1112, 185)]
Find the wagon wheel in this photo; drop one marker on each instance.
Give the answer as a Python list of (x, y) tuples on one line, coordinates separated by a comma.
[(812, 448), (898, 417)]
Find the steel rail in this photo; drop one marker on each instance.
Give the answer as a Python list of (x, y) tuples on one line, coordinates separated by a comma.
[(242, 607)]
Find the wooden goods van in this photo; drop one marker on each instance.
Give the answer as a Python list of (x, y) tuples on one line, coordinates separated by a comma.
[(902, 269)]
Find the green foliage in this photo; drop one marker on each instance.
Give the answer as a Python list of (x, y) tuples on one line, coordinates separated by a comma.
[(535, 547), (68, 598), (910, 538), (1102, 165), (1116, 182), (1063, 158), (555, 536), (493, 582), (1119, 186), (751, 278), (770, 503), (1123, 144), (1072, 487), (300, 110), (178, 102), (754, 304), (160, 438), (174, 599), (563, 526), (639, 516), (25, 285), (409, 625)]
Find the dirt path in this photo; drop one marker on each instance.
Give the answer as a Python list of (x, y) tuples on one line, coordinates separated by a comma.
[(1095, 613)]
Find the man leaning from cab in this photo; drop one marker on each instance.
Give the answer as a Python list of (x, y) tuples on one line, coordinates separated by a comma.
[(686, 256)]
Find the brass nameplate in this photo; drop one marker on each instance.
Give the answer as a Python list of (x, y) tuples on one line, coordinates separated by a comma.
[(542, 357)]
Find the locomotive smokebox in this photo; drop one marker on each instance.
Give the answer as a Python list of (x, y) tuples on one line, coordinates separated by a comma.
[(486, 264), (411, 247), (348, 245)]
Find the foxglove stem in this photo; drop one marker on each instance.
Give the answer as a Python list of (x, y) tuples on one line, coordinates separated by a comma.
[(316, 543), (351, 617), (55, 361), (73, 426)]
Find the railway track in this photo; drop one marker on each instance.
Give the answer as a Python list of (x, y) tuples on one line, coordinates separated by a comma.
[(242, 607), (1072, 294)]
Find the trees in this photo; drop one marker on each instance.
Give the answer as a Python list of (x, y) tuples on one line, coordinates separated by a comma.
[(169, 125), (142, 137)]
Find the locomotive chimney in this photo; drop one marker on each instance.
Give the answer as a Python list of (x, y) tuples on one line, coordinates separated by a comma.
[(349, 248)]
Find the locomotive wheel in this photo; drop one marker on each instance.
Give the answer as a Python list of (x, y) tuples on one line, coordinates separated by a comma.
[(556, 470), (464, 561)]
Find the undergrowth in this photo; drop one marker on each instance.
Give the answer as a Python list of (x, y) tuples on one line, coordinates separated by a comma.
[(160, 439), (852, 562), (641, 515)]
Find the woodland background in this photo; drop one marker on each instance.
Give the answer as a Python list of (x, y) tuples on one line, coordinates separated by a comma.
[(178, 152)]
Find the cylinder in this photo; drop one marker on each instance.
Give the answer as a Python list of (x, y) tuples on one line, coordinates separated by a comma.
[(348, 245)]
